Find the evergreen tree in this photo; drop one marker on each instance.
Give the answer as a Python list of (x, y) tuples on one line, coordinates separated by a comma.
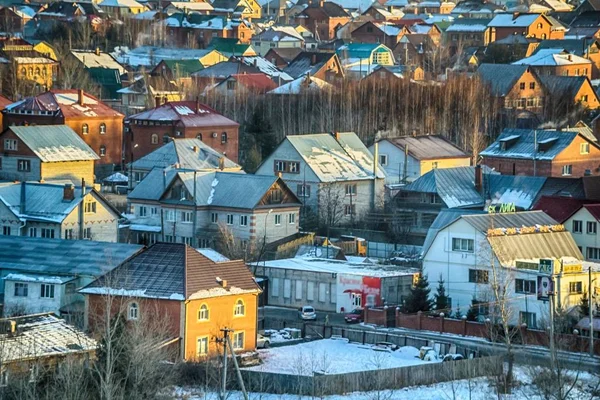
[(584, 306), (473, 312), (418, 298), (458, 313), (441, 300), (252, 160), (262, 131)]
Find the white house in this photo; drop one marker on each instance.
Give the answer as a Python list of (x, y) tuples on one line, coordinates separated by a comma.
[(277, 37), (583, 225), (34, 294), (474, 252)]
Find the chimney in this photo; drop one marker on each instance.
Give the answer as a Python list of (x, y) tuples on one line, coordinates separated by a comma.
[(515, 15), (197, 104), (157, 101), (222, 163), (222, 282), (336, 135), (68, 192), (82, 187), (80, 97), (321, 3), (23, 200), (255, 62), (478, 178), (165, 100), (195, 149), (97, 51), (570, 57), (313, 59)]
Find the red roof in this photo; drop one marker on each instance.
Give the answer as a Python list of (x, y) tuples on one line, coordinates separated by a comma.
[(559, 208), (188, 113), (4, 102), (66, 102), (259, 82), (593, 209)]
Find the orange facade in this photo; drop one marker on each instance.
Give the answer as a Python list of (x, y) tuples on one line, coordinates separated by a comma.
[(527, 93)]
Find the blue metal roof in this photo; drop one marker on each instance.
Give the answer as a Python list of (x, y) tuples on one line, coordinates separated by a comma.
[(524, 144)]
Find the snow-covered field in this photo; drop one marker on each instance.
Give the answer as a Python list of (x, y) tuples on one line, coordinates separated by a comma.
[(332, 357)]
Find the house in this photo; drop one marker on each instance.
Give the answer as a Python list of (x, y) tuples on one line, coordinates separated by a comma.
[(61, 265), (188, 154), (71, 11), (583, 225), (121, 8), (277, 37), (516, 85), (232, 47), (282, 57), (176, 70), (476, 9), (557, 62), (193, 29), (365, 55), (199, 7), (210, 76), (322, 19), (414, 49), (41, 342), (153, 128), (537, 26), (543, 153), (102, 69), (198, 296), (582, 47), (484, 250), (41, 153), (244, 9), (321, 65), (577, 90), (274, 9), (32, 70), (467, 32), (332, 285), (301, 85), (149, 56), (164, 208), (13, 19), (335, 175), (378, 13), (406, 158), (266, 67), (386, 33), (244, 83), (100, 127), (145, 92)]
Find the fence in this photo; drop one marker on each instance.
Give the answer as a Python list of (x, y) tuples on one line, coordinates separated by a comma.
[(373, 380)]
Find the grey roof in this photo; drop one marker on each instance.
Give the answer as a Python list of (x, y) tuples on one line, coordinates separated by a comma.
[(523, 146), (343, 159), (518, 190), (501, 77), (563, 86), (188, 153), (557, 245), (427, 147), (483, 222), (307, 63), (153, 185), (62, 257), (225, 69), (54, 143), (574, 46), (446, 217)]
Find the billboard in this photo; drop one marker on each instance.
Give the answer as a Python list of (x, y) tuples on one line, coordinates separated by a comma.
[(545, 287), (546, 266)]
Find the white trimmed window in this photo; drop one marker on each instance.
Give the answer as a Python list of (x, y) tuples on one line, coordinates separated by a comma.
[(186, 216), (277, 219), (292, 219), (202, 346), (238, 340), (47, 291), (240, 309), (229, 219), (203, 313), (133, 311), (243, 220), (90, 207), (214, 218)]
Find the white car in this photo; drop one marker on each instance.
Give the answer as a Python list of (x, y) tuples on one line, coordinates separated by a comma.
[(262, 342), (307, 313)]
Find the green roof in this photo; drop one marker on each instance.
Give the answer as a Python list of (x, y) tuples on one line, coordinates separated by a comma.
[(184, 67), (361, 50), (108, 79)]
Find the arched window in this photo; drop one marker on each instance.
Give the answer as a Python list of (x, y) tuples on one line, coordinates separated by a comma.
[(23, 71), (133, 312), (154, 138), (539, 25), (203, 313), (239, 309), (166, 138), (37, 71), (85, 129), (224, 137), (30, 71), (102, 151), (102, 128), (199, 136), (543, 36), (44, 73)]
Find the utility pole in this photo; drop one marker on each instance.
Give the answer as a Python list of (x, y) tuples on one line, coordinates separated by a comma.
[(405, 163), (552, 350), (591, 311), (237, 369), (535, 144), (224, 373)]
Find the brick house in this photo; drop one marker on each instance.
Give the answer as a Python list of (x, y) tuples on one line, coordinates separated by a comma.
[(379, 13), (199, 296), (323, 18), (582, 47), (577, 90), (557, 62), (97, 124), (321, 65), (536, 26), (543, 153), (32, 69), (467, 32), (150, 129), (378, 32), (197, 30), (244, 9)]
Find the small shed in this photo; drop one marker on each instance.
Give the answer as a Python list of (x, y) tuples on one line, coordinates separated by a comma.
[(115, 183)]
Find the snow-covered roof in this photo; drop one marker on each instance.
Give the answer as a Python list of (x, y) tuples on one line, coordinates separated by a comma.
[(116, 177), (388, 28), (509, 20), (121, 4), (150, 56), (459, 27), (91, 59), (351, 5), (266, 67), (212, 255), (552, 57), (57, 280), (300, 84), (329, 266)]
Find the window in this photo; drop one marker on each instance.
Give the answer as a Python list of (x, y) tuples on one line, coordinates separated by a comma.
[(528, 318), (478, 276), (85, 129), (24, 165), (203, 313), (298, 290), (48, 233), (575, 287), (577, 226), (287, 288), (186, 216), (169, 238), (47, 291), (584, 148), (531, 85), (277, 219), (90, 207), (142, 211), (199, 137), (584, 99), (349, 209), (275, 196), (567, 170), (154, 138), (243, 220), (240, 309), (171, 216), (351, 189), (293, 167), (214, 218), (223, 137), (10, 144), (231, 85), (522, 85), (591, 228), (229, 219), (434, 165), (292, 219), (133, 312), (32, 232), (275, 287), (524, 286), (322, 292), (593, 253), (87, 233), (165, 139), (21, 289), (70, 288), (6, 230), (153, 210), (310, 291), (465, 245), (186, 240), (102, 151), (303, 190), (69, 234), (238, 340), (102, 128), (383, 159), (279, 166), (202, 346)]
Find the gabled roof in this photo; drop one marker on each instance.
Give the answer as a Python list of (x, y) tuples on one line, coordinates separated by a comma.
[(360, 50), (287, 54), (54, 143), (279, 34), (552, 57), (184, 67), (149, 56), (574, 46), (174, 271), (501, 77), (308, 62), (90, 59), (469, 25), (593, 209), (427, 147), (329, 9), (510, 20), (266, 67), (303, 83), (4, 102), (445, 217), (121, 4), (186, 113), (188, 153), (70, 9), (231, 47), (564, 86), (226, 68), (483, 222), (558, 207), (259, 82)]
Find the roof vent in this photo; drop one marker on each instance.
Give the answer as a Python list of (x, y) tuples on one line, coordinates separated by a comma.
[(509, 141), (195, 149)]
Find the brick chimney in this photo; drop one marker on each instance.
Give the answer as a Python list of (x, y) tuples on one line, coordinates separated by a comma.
[(197, 104), (222, 163), (68, 192), (157, 101), (195, 149), (80, 97), (97, 51), (478, 178), (313, 59)]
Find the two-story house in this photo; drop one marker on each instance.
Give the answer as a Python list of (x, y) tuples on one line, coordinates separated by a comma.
[(277, 37), (198, 297), (334, 174), (583, 225), (102, 69), (40, 153), (321, 65), (246, 9), (543, 153), (201, 208), (365, 55), (386, 33), (467, 32), (588, 48), (406, 158), (96, 123), (323, 19), (557, 62), (532, 25), (572, 90)]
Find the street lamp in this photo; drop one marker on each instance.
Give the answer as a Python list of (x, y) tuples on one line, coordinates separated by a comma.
[(131, 168)]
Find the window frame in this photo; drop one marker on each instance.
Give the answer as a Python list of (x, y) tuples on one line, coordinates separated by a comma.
[(11, 145), (576, 287), (102, 128), (470, 245), (202, 341), (236, 340), (203, 310), (591, 227), (24, 292), (578, 228), (243, 220), (47, 291), (133, 311), (479, 276), (23, 165), (239, 308)]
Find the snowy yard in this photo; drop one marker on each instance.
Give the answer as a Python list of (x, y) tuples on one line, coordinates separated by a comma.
[(333, 357)]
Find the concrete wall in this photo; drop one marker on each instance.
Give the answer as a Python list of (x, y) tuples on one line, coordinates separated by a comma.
[(584, 239)]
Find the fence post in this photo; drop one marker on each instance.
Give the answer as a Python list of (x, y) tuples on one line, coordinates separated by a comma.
[(442, 318), (523, 331), (364, 338), (398, 325), (464, 321), (419, 317), (385, 321)]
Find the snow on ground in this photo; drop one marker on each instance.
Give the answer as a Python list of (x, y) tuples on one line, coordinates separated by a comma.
[(331, 356), (283, 335)]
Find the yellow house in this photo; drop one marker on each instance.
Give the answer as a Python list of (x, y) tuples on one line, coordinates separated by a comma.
[(406, 158), (45, 49), (122, 8)]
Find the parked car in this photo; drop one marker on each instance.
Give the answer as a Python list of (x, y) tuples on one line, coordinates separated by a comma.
[(262, 342), (307, 313), (387, 345), (355, 316)]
